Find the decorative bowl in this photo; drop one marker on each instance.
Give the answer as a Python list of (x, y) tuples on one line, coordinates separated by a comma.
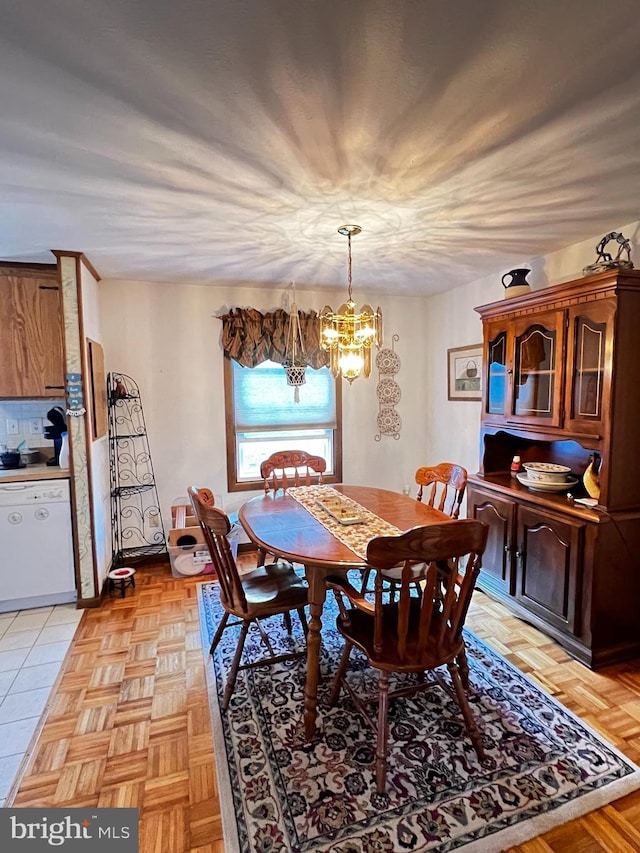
[(545, 485), (547, 472)]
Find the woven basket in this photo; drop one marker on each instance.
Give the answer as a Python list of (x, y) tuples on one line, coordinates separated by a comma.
[(296, 375)]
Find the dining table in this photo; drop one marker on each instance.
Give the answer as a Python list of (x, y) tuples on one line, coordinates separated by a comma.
[(280, 524)]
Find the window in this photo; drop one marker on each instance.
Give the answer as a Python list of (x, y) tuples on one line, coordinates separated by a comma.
[(262, 418)]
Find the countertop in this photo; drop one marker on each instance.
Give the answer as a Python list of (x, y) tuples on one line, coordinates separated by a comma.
[(39, 471)]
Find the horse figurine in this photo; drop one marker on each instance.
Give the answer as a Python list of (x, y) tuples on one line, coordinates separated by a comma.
[(606, 261)]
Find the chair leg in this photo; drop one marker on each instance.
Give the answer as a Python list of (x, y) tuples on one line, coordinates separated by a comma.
[(303, 620), (342, 668), (262, 556), (365, 580), (472, 728), (383, 732), (287, 622), (265, 638), (463, 666), (233, 672), (218, 634)]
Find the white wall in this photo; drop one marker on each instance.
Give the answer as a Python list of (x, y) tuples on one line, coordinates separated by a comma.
[(99, 451), (167, 338)]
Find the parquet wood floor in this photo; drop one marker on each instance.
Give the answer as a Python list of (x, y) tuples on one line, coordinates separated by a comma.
[(129, 722)]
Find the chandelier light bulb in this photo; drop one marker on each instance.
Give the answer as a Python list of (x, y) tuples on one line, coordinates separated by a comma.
[(351, 364)]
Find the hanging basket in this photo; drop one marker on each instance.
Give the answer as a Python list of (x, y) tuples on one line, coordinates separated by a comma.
[(295, 361), (296, 375)]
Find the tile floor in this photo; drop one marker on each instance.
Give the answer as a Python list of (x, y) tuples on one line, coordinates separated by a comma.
[(33, 644)]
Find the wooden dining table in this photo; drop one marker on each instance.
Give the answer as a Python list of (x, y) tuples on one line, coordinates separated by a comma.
[(279, 524)]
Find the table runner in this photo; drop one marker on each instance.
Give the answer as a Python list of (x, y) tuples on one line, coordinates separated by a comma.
[(354, 536)]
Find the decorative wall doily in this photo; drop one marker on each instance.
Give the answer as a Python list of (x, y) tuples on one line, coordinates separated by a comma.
[(387, 361), (388, 392), (388, 420)]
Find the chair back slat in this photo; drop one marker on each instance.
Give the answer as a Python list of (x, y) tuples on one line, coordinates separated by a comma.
[(286, 466), (426, 613), (215, 526), (447, 592), (442, 486), (378, 626)]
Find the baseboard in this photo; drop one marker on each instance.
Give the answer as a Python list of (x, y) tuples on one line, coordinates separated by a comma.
[(84, 603)]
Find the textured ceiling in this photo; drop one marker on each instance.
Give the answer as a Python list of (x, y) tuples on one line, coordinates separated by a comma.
[(225, 141)]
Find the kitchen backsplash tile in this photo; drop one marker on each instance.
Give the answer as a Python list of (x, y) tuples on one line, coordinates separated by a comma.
[(23, 411)]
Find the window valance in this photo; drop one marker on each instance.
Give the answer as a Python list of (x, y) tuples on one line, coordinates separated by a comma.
[(251, 337)]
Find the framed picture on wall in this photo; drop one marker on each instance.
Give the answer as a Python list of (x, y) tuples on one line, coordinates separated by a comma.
[(464, 373)]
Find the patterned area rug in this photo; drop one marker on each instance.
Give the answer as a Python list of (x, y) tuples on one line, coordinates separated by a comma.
[(279, 794)]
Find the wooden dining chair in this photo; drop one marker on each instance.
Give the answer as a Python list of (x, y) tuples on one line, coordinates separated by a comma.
[(290, 468), (249, 597), (442, 486), (445, 486), (413, 635)]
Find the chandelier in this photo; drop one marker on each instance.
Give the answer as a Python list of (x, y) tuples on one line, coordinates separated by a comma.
[(348, 334)]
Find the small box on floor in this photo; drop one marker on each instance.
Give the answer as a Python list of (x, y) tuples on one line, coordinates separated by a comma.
[(188, 553)]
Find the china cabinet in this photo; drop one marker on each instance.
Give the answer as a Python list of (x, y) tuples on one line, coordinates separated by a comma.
[(560, 367), (31, 332)]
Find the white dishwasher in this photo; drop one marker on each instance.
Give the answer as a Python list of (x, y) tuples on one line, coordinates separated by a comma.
[(36, 546)]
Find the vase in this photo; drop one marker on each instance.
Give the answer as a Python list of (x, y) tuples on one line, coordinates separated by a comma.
[(591, 476), (63, 459), (517, 284)]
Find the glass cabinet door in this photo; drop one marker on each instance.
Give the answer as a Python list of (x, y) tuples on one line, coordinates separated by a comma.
[(588, 380), (497, 373), (537, 369)]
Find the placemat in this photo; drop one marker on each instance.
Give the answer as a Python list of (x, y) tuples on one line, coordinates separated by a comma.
[(354, 536)]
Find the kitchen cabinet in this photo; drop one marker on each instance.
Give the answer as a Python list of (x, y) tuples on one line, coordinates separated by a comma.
[(31, 332), (560, 384)]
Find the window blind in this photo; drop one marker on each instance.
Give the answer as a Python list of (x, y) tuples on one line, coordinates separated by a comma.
[(263, 400)]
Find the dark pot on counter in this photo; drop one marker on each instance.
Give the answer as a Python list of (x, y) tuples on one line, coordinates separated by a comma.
[(10, 459)]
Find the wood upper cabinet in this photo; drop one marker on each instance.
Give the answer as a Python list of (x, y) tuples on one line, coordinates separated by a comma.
[(31, 334), (537, 365), (589, 365), (551, 369)]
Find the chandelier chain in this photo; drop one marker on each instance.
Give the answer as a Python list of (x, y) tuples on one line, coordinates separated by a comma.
[(349, 273)]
